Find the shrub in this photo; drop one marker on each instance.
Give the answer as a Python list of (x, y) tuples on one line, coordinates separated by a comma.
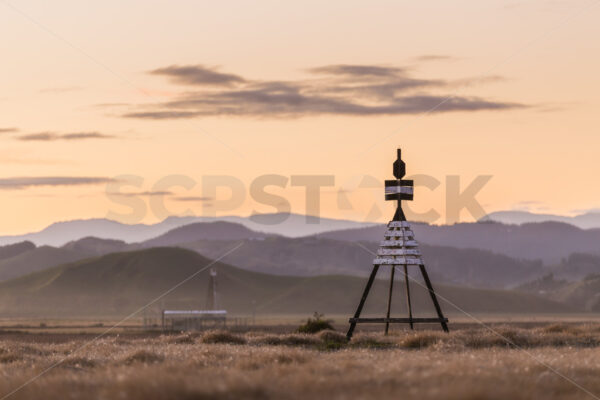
[(560, 328), (9, 358), (222, 337), (143, 356), (289, 340), (315, 324)]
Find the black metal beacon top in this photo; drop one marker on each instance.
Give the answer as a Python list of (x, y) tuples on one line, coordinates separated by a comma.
[(399, 189), (399, 166)]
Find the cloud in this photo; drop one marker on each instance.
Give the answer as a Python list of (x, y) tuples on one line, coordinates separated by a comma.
[(193, 198), (161, 114), (85, 135), (266, 102), (27, 182), (51, 136), (340, 89), (358, 70), (8, 130), (43, 136), (434, 57), (198, 75), (146, 193)]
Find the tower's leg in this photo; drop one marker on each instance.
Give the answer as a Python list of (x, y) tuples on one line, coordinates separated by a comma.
[(362, 300), (389, 306), (410, 321), (433, 298)]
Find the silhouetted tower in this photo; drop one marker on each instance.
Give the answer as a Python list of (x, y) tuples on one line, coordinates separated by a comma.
[(211, 295), (398, 249)]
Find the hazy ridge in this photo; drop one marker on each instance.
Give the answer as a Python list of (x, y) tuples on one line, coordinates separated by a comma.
[(120, 283)]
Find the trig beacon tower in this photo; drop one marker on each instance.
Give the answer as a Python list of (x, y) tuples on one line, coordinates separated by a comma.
[(398, 249)]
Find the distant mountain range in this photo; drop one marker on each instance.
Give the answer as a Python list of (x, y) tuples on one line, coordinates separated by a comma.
[(515, 236), (299, 257), (546, 241), (587, 220), (318, 256), (119, 283), (325, 261), (347, 252), (291, 225)]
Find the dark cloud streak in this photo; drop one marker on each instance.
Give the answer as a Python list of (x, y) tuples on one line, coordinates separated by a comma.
[(86, 135), (434, 57), (27, 182), (51, 136), (147, 193), (162, 114), (358, 70), (341, 89), (194, 198), (198, 75)]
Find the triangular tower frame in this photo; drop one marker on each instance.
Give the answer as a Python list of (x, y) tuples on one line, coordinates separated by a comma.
[(398, 249)]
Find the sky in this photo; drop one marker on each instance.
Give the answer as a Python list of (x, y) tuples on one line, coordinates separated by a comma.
[(132, 110)]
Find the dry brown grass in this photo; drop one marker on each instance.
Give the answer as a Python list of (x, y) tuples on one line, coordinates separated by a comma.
[(77, 362), (465, 364), (182, 339)]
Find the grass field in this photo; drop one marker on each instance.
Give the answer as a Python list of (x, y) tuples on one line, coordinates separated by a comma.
[(550, 361)]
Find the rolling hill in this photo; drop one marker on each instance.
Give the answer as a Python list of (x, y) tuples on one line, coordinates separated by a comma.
[(120, 283), (583, 294), (30, 258), (577, 267), (218, 230), (92, 246), (36, 259), (13, 250)]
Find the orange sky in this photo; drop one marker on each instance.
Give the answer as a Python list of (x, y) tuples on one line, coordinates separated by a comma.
[(73, 70)]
